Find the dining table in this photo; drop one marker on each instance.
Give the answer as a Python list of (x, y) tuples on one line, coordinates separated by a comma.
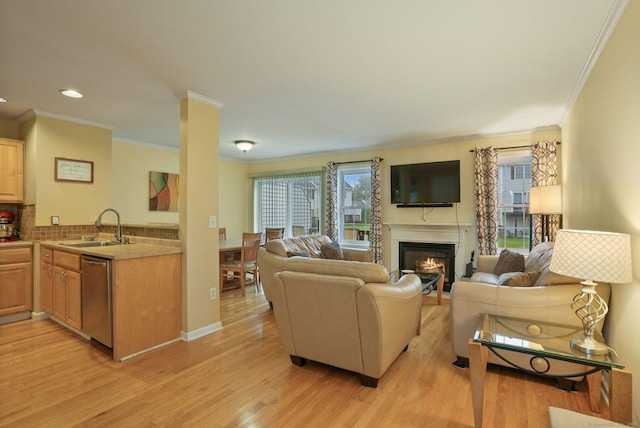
[(229, 249)]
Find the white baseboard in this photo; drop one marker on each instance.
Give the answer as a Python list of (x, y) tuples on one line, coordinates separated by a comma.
[(188, 336), (39, 316)]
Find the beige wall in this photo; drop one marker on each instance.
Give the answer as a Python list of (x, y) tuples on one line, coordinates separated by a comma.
[(9, 129), (235, 198), (602, 148), (464, 212), (130, 168), (74, 203)]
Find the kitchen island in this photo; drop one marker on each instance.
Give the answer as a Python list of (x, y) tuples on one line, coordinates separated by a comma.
[(145, 289)]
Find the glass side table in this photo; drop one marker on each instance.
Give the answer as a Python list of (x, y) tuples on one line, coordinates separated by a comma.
[(544, 342)]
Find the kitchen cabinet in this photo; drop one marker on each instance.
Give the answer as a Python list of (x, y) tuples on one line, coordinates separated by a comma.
[(16, 280), (11, 170), (46, 280), (67, 291)]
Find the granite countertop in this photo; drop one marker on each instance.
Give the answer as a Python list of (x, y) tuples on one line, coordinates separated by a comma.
[(141, 247), (15, 244)]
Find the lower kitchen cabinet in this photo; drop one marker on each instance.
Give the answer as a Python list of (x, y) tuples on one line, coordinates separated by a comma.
[(62, 287), (16, 280)]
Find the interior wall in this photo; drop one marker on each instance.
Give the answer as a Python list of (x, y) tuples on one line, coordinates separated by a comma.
[(601, 177), (464, 212), (9, 129), (131, 164), (234, 198), (73, 202)]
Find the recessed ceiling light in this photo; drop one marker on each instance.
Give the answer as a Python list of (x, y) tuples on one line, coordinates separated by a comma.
[(3, 100), (71, 93)]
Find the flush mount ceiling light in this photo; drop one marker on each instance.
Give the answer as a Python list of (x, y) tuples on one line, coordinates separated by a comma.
[(244, 145), (3, 100), (72, 93)]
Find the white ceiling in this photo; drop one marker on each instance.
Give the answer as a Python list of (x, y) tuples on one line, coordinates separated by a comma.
[(303, 77)]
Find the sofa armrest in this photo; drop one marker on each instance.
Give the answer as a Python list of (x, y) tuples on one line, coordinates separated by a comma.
[(487, 263), (388, 318)]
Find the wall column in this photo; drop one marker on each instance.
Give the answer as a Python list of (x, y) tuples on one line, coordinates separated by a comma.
[(199, 141)]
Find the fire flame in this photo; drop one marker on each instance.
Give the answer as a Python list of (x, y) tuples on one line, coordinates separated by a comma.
[(431, 265)]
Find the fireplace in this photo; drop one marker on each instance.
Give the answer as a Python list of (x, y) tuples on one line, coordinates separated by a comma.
[(429, 259)]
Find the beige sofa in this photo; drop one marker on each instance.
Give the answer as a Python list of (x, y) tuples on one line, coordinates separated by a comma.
[(274, 255), (345, 314), (548, 300)]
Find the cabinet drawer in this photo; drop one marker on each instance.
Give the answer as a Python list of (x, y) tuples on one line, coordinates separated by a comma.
[(66, 260), (47, 255), (15, 255)]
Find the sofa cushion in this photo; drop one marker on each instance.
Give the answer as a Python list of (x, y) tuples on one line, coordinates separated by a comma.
[(292, 246), (486, 277), (539, 260), (518, 279), (331, 250), (366, 271), (509, 261), (298, 253)]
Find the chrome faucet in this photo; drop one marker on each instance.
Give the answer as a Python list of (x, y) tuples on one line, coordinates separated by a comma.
[(118, 234)]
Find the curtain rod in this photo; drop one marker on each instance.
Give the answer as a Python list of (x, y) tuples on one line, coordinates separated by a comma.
[(358, 161), (514, 147)]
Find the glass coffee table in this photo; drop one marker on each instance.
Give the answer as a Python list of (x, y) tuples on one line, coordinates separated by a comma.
[(543, 342)]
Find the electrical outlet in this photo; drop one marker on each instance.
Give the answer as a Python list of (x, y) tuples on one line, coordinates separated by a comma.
[(55, 220), (212, 222), (213, 293)]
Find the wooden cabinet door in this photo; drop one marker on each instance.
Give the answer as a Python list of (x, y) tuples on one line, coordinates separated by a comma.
[(59, 294), (74, 299), (15, 288), (47, 287), (11, 170)]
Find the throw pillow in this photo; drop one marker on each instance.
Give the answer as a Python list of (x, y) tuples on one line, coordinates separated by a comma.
[(518, 279), (509, 261), (331, 250)]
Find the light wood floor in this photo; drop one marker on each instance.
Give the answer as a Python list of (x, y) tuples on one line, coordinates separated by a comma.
[(241, 377)]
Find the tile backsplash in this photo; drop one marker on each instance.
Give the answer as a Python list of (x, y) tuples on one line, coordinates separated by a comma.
[(25, 223)]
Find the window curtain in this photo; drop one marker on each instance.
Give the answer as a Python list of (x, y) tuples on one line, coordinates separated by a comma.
[(375, 232), (544, 172), (332, 201), (486, 191)]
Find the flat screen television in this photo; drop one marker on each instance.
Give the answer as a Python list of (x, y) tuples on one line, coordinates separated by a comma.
[(426, 184)]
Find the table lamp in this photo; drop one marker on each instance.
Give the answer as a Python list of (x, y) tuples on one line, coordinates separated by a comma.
[(595, 256)]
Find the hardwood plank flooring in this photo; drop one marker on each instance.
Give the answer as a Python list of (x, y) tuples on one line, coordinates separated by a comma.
[(241, 377)]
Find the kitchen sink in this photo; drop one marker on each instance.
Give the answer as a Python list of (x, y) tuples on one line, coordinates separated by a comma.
[(85, 244)]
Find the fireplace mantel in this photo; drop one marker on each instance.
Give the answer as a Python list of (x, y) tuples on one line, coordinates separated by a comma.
[(432, 232)]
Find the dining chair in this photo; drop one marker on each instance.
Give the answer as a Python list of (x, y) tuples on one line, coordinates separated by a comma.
[(223, 233), (297, 230), (273, 233), (248, 263)]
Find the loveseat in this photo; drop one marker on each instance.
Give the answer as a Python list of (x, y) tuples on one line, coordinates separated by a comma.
[(346, 314), (536, 294), (275, 254)]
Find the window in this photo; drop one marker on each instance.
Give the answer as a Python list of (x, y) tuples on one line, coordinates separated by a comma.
[(514, 182), (292, 201), (354, 204)]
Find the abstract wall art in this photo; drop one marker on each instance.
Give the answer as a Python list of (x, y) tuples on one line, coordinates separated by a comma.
[(163, 191)]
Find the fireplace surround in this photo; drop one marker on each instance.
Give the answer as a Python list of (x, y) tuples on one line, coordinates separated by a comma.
[(458, 234), (428, 259)]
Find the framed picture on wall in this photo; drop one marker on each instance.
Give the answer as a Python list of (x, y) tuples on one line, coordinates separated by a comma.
[(74, 170)]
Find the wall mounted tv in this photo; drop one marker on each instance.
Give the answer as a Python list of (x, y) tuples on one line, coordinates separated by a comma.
[(432, 184)]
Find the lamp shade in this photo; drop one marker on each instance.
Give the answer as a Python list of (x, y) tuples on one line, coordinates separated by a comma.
[(591, 255), (545, 200), (244, 145)]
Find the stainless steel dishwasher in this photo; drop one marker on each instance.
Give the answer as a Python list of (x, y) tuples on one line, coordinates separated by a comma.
[(96, 299)]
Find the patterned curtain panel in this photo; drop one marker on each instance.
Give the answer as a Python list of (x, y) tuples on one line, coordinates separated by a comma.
[(544, 172), (486, 188), (375, 233), (332, 201)]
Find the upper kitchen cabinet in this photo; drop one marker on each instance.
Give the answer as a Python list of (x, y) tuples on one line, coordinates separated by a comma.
[(11, 170)]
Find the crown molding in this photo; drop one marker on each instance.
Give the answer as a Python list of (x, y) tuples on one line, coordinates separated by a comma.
[(42, 113), (206, 100)]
